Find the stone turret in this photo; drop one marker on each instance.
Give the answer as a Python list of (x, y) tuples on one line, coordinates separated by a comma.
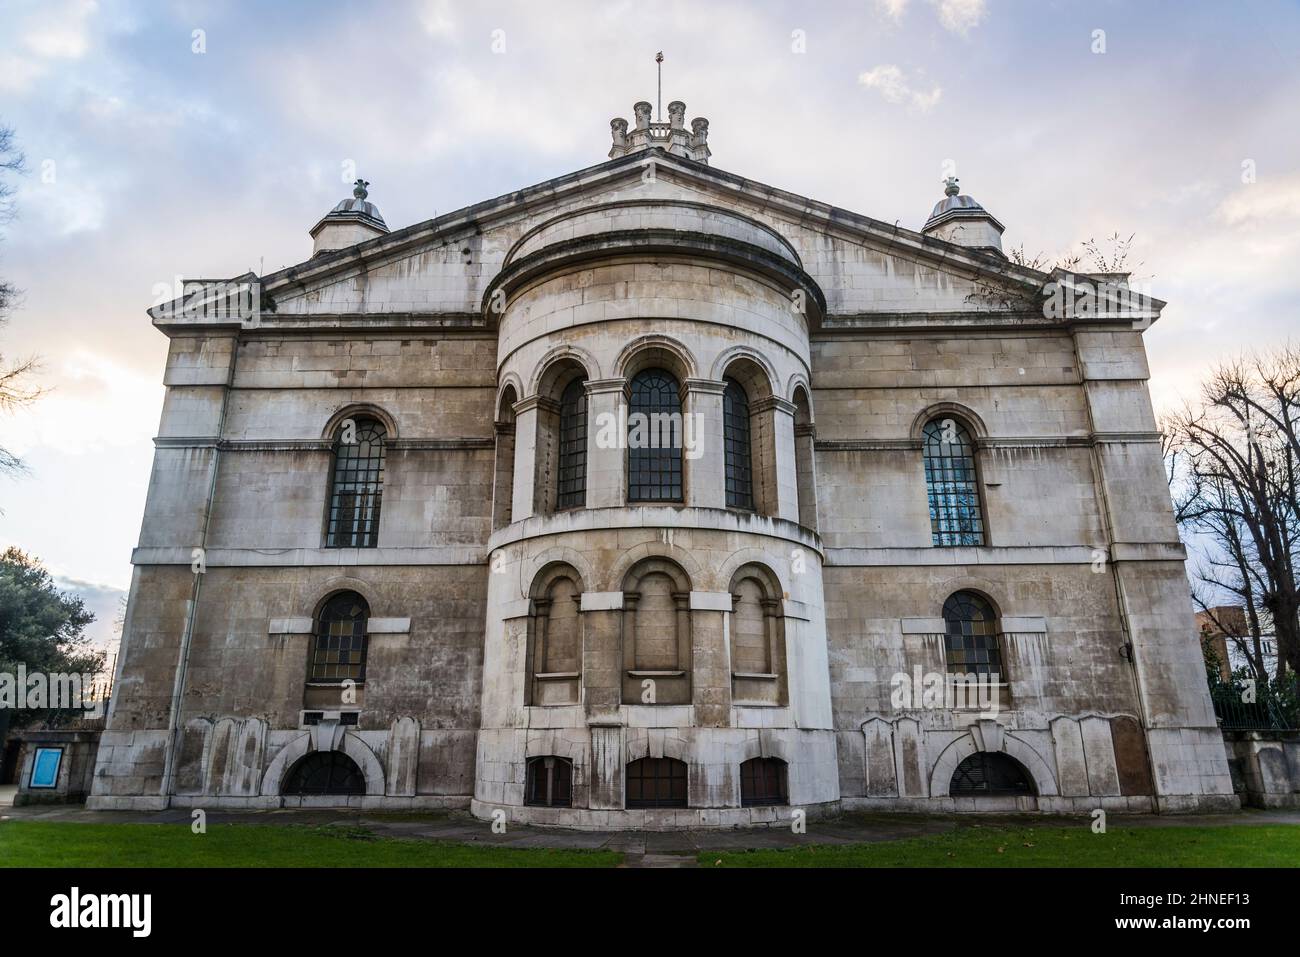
[(672, 136), (959, 219), (352, 221)]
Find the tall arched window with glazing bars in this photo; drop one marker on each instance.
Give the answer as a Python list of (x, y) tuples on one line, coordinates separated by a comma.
[(736, 444), (356, 485), (952, 483), (654, 454), (971, 630), (571, 490), (340, 650)]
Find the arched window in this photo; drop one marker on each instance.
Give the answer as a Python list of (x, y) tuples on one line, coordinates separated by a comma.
[(340, 649), (763, 782), (357, 485), (735, 440), (571, 491), (805, 470), (757, 638), (656, 782), (656, 634), (655, 438), (549, 782), (990, 774), (555, 641), (971, 636), (952, 484), (325, 772)]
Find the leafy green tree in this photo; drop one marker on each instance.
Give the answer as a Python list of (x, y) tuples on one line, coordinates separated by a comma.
[(41, 628)]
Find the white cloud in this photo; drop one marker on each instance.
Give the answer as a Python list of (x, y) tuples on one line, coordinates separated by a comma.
[(888, 79), (435, 17), (94, 404), (961, 16), (1266, 199), (61, 33), (17, 73), (894, 9)]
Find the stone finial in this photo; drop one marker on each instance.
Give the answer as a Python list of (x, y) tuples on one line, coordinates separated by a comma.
[(950, 187), (677, 114), (359, 189), (618, 131), (672, 137), (642, 111), (700, 126)]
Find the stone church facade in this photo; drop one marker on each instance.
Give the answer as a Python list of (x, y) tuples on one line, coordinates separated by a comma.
[(653, 496)]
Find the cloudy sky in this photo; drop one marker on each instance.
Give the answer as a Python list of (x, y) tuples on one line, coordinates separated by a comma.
[(204, 139)]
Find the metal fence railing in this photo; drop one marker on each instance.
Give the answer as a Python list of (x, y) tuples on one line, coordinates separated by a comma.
[(1241, 707)]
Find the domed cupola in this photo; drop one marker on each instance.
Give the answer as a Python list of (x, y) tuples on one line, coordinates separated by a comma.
[(352, 221), (960, 219)]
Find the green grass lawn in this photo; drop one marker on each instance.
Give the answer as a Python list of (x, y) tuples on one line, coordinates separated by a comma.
[(45, 844), (996, 846)]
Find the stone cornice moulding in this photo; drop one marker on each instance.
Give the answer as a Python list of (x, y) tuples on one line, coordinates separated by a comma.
[(312, 557), (931, 556)]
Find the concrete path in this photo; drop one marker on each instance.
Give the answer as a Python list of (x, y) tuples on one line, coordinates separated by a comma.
[(642, 848)]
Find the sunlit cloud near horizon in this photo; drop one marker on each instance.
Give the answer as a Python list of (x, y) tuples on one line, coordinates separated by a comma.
[(204, 139)]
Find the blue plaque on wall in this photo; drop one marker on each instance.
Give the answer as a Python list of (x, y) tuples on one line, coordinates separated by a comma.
[(45, 767)]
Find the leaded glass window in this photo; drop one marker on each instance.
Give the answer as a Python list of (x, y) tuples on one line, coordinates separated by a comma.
[(357, 485), (339, 651), (951, 484), (656, 782), (572, 489), (654, 455), (735, 438), (971, 636)]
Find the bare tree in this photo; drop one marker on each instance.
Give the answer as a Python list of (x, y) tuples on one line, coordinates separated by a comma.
[(15, 391), (1237, 456)]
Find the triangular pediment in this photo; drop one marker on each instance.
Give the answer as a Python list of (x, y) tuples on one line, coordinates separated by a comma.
[(868, 270)]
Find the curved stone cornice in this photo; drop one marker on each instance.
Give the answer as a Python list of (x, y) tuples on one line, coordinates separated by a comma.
[(648, 213), (721, 520), (686, 245)]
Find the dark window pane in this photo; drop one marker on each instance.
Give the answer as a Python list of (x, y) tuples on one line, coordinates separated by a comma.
[(989, 774), (950, 484), (735, 437), (339, 651), (656, 782), (763, 782), (325, 772), (971, 636), (356, 488), (549, 782), (571, 491), (654, 468)]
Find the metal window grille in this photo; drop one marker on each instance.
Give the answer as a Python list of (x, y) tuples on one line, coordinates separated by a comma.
[(340, 649), (988, 774), (357, 487), (762, 782), (735, 438), (656, 782), (571, 491), (549, 782), (951, 484), (971, 636), (325, 772), (654, 470)]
